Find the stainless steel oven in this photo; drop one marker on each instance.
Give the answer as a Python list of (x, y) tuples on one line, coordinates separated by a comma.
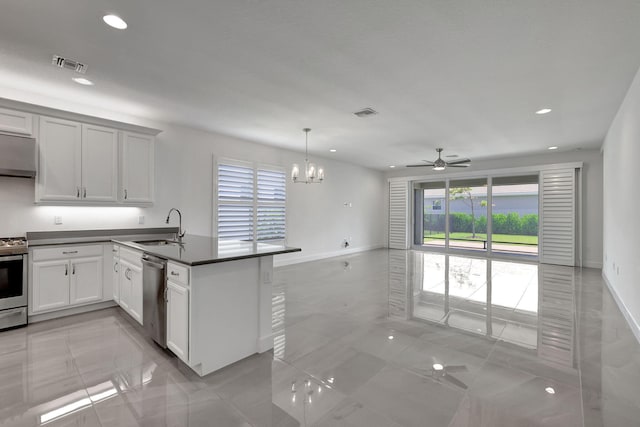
[(13, 288)]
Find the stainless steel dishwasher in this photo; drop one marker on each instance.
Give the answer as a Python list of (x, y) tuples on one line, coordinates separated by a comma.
[(154, 298)]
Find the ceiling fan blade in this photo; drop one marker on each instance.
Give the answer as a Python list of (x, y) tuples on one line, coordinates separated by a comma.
[(459, 161), (464, 165), (426, 163), (418, 166), (455, 381), (456, 368)]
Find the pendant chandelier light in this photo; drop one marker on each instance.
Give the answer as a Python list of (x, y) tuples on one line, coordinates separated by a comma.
[(312, 174)]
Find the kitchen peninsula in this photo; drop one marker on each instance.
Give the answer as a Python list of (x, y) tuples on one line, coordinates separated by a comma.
[(218, 296)]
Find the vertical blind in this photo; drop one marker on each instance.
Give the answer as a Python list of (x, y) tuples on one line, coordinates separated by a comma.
[(250, 202)]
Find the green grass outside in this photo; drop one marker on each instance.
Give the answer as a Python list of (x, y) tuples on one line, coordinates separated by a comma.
[(497, 238)]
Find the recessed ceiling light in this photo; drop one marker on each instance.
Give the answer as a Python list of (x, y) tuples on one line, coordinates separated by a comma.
[(82, 81), (114, 21), (332, 150), (550, 390), (438, 367), (392, 166), (553, 147), (544, 111), (390, 337)]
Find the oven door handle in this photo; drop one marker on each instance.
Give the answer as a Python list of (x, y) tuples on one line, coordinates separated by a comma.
[(10, 258)]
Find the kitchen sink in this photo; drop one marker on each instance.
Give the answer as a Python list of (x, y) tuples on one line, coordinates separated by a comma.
[(157, 242)]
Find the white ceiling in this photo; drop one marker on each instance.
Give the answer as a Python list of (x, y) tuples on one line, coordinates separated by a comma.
[(464, 75)]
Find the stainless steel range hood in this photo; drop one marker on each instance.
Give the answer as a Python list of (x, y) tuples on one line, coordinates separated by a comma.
[(17, 156)]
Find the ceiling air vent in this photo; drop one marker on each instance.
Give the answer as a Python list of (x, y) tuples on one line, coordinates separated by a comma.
[(69, 64), (366, 112)]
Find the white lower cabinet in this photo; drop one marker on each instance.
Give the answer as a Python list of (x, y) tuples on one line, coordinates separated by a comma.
[(115, 274), (178, 320), (86, 280), (67, 282), (131, 289), (50, 285)]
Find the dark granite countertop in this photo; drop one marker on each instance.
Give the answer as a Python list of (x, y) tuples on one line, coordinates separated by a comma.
[(199, 250)]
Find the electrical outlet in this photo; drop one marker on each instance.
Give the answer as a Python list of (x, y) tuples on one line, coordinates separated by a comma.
[(57, 220), (141, 219), (266, 277)]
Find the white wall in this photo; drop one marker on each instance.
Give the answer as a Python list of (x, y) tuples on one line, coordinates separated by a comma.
[(622, 205), (592, 189), (317, 221)]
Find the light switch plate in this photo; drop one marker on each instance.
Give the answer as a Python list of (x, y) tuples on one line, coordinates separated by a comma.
[(57, 220)]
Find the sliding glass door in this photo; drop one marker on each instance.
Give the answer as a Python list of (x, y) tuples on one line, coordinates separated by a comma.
[(479, 214), (468, 214), (514, 213), (431, 215)]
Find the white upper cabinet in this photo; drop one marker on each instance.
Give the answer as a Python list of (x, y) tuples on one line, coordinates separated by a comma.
[(79, 163), (99, 164), (137, 168), (16, 122), (60, 147)]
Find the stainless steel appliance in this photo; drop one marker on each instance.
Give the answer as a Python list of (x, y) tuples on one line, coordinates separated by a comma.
[(154, 298), (13, 282), (17, 156)]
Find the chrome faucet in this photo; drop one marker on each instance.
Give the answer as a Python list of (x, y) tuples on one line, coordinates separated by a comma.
[(180, 233)]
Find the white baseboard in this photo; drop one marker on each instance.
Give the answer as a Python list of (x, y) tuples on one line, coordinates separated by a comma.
[(633, 324), (265, 343), (323, 255), (592, 264), (34, 318)]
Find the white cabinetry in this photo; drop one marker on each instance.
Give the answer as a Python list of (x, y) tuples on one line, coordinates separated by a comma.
[(130, 281), (99, 164), (50, 285), (137, 168), (115, 273), (60, 146), (65, 277), (16, 122), (178, 311), (78, 162), (86, 280)]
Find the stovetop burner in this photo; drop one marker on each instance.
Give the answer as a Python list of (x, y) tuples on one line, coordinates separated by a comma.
[(13, 246)]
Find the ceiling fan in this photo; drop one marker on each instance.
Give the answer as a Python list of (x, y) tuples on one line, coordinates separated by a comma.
[(440, 165)]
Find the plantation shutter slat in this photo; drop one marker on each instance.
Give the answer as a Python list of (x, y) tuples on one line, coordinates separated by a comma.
[(398, 215), (271, 195), (558, 217), (235, 202)]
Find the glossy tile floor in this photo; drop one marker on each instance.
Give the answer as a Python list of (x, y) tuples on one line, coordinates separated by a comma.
[(382, 338)]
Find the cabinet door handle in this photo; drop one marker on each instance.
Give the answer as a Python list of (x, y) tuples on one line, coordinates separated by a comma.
[(84, 192), (73, 269), (173, 273), (126, 274), (69, 252), (78, 192), (66, 269), (115, 267), (125, 194)]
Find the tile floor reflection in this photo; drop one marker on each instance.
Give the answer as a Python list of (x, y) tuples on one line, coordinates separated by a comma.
[(382, 338)]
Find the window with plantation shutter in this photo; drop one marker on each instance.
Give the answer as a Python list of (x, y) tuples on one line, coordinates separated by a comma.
[(235, 202), (250, 202), (271, 195)]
